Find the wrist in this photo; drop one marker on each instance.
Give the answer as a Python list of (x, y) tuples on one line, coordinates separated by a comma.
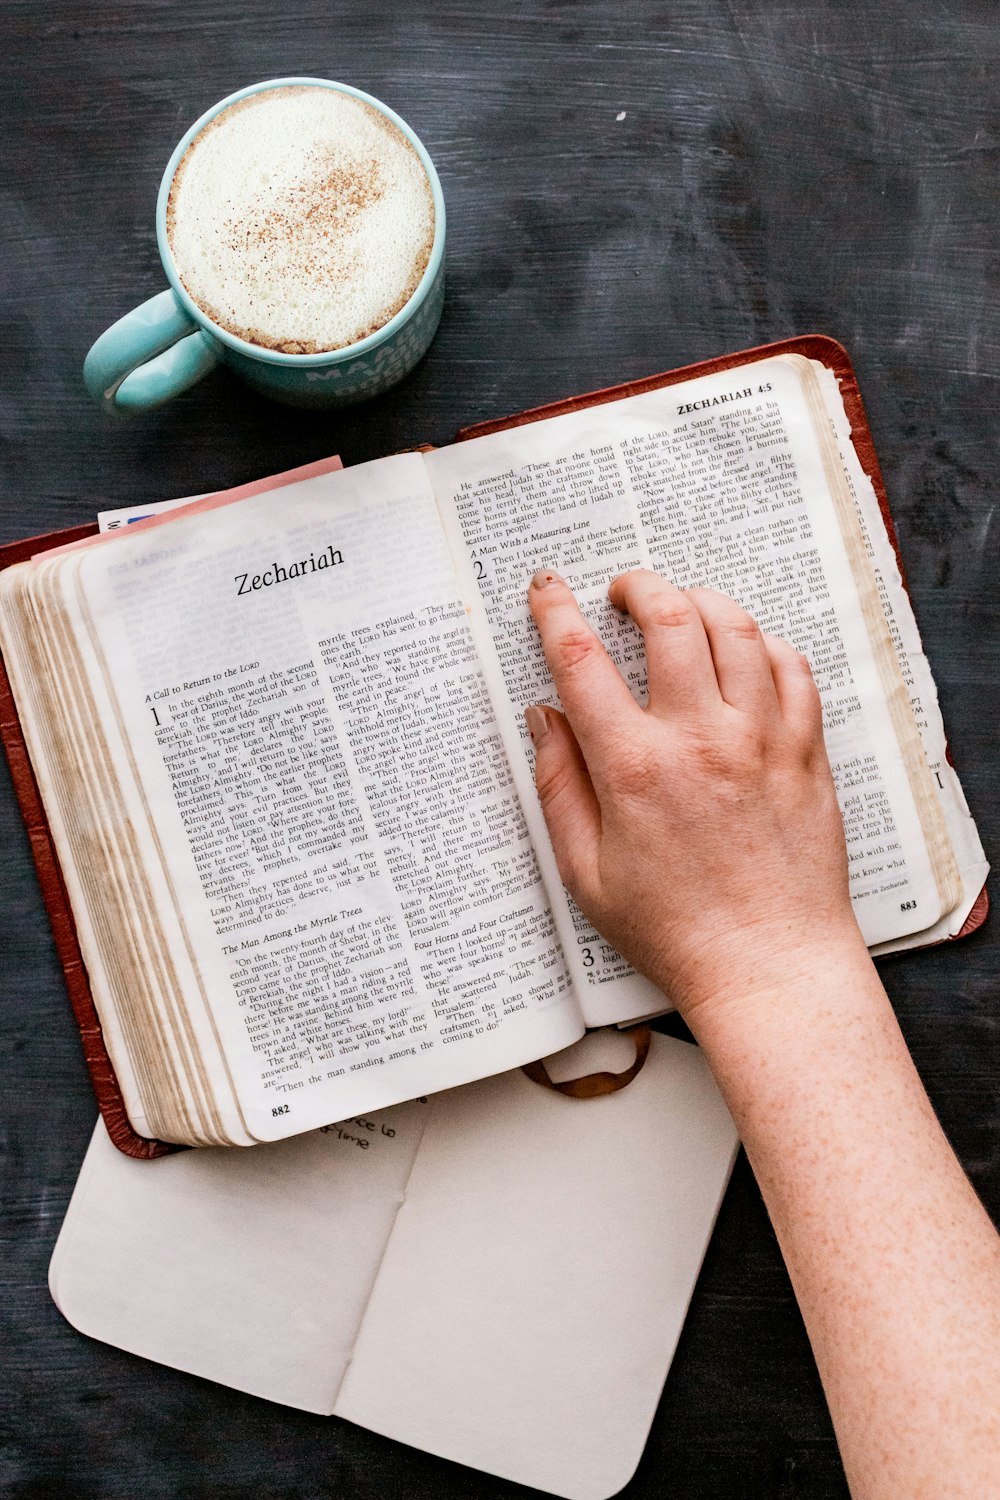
[(766, 984)]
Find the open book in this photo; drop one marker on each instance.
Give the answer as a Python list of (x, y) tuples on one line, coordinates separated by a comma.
[(497, 1274), (281, 750)]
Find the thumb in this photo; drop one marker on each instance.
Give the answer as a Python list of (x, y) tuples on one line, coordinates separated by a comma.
[(567, 796)]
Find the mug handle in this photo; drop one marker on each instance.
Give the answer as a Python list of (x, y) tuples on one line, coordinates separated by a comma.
[(152, 354)]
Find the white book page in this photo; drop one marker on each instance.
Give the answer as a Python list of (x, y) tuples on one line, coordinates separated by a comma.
[(46, 670), (250, 1268), (537, 1277), (325, 802), (501, 526), (720, 482), (969, 853)]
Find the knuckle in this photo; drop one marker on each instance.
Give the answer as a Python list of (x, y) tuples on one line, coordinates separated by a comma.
[(728, 754), (552, 782), (755, 745), (713, 761), (741, 627), (577, 648), (667, 613), (638, 770)]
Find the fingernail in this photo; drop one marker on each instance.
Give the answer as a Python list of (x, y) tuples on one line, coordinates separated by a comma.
[(537, 721), (544, 577)]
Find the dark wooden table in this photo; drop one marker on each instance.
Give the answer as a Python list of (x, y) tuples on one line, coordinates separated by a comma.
[(630, 187)]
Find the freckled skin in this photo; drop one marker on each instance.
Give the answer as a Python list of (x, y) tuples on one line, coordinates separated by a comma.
[(702, 837)]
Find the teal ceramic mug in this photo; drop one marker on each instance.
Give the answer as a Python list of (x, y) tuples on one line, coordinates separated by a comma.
[(166, 345)]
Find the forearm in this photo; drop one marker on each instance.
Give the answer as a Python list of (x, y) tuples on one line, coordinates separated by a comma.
[(703, 838), (893, 1260)]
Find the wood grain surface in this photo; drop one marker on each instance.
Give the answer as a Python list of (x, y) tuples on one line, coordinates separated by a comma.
[(630, 187)]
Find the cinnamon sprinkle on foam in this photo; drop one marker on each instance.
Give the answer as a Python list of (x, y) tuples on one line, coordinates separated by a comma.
[(300, 219)]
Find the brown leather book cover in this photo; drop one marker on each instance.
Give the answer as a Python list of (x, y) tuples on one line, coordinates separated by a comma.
[(106, 1087)]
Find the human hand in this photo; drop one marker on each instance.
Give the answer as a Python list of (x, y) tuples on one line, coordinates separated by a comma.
[(701, 834)]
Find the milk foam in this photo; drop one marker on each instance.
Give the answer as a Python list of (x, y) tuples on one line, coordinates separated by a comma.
[(300, 219)]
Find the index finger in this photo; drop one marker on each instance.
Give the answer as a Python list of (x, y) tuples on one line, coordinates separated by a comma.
[(591, 689)]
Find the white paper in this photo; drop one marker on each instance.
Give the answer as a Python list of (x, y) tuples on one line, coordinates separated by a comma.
[(537, 1277), (523, 1304), (250, 1268)]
